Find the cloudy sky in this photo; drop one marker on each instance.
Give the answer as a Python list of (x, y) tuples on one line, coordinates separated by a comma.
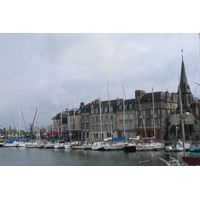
[(63, 68)]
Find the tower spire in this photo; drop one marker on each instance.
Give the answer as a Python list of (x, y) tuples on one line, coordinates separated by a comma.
[(186, 93)]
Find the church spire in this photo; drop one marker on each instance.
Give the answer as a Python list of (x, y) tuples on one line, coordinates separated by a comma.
[(184, 86), (186, 94)]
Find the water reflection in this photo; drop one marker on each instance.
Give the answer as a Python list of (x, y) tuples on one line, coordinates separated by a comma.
[(70, 157)]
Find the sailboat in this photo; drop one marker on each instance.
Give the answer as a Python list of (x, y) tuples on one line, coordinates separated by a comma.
[(51, 144), (36, 143), (21, 143), (60, 145)]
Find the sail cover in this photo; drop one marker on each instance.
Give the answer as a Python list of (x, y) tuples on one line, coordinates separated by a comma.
[(119, 139)]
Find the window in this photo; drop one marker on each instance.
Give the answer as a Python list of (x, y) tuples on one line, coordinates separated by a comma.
[(148, 122), (148, 112), (87, 126), (130, 106), (140, 122), (92, 110), (96, 110), (130, 116), (111, 118), (97, 119), (106, 127), (106, 119), (111, 109), (106, 109)]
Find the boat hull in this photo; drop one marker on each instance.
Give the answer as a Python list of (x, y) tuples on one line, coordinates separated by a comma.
[(129, 149), (194, 149), (77, 147), (32, 145), (49, 146), (86, 147), (59, 146), (110, 148), (191, 160), (14, 144)]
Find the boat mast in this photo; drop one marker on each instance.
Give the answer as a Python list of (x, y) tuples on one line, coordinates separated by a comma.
[(142, 117), (153, 113), (38, 118), (124, 109), (19, 123), (61, 119), (181, 118), (74, 117), (52, 123), (109, 121), (100, 116), (68, 122)]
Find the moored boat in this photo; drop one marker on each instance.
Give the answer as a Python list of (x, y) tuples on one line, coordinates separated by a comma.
[(49, 145), (59, 146), (194, 149), (11, 144), (77, 146), (113, 146), (99, 146), (31, 145), (129, 148), (87, 146), (68, 146), (41, 145), (22, 144)]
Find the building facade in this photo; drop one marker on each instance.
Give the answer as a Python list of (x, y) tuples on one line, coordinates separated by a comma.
[(148, 114)]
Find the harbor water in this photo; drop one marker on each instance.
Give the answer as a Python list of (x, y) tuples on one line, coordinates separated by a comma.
[(13, 156), (67, 176)]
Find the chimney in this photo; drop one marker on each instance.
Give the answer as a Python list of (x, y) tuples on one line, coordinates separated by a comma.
[(139, 94)]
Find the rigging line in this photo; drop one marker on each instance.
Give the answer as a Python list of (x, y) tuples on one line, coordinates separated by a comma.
[(195, 67), (142, 117), (195, 88), (175, 61), (23, 119), (13, 123), (170, 62)]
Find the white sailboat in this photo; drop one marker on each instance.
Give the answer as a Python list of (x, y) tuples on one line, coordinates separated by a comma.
[(20, 143), (35, 144), (114, 146), (11, 144), (87, 146), (60, 145), (51, 144), (99, 146)]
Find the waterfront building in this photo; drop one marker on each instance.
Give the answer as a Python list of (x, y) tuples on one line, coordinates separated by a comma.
[(85, 111), (103, 119), (56, 126), (149, 114), (70, 126), (126, 118), (152, 111)]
